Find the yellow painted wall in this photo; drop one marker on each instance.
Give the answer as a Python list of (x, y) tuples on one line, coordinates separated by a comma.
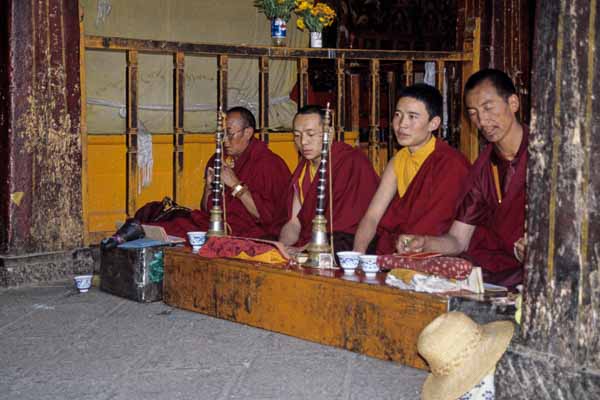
[(106, 173)]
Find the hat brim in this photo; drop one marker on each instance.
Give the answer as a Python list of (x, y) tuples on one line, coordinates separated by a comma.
[(496, 337)]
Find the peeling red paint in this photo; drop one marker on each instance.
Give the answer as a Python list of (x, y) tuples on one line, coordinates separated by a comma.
[(41, 152)]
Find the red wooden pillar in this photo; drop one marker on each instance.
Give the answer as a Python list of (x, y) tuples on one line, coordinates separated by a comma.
[(40, 143)]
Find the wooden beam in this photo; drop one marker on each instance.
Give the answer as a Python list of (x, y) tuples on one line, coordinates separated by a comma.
[(353, 102), (439, 75), (131, 132), (222, 71), (340, 103), (178, 114), (302, 82), (374, 144), (408, 73), (84, 135), (166, 47), (391, 86), (263, 98), (469, 139)]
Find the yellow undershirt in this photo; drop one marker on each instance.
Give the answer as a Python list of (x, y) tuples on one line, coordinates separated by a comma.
[(407, 164), (312, 170)]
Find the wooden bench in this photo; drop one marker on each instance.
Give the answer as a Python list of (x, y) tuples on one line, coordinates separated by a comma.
[(323, 306), (326, 307)]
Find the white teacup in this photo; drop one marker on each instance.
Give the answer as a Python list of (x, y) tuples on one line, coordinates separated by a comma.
[(83, 282), (348, 260), (197, 239), (368, 263)]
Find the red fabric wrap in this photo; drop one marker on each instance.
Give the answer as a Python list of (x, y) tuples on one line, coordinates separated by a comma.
[(231, 247), (447, 267), (499, 226), (354, 183), (429, 205)]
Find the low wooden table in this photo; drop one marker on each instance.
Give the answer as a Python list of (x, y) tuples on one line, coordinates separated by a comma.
[(324, 306)]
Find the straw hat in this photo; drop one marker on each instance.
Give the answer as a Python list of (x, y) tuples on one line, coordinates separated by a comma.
[(460, 353)]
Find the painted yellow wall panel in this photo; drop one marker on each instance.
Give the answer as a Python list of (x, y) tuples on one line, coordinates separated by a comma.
[(106, 173), (106, 181)]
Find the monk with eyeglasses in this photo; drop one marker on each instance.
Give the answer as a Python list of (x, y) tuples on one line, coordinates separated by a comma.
[(254, 178)]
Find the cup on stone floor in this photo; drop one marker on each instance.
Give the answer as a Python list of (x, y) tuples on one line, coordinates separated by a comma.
[(83, 282), (196, 239), (368, 263)]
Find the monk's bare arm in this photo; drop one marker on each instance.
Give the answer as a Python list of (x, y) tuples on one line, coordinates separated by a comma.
[(291, 230), (456, 241), (231, 180), (384, 195), (248, 202)]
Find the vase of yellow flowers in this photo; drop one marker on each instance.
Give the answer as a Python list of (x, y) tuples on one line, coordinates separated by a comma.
[(279, 12), (314, 17)]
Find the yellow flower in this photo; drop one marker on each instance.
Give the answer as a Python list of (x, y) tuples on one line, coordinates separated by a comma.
[(300, 24)]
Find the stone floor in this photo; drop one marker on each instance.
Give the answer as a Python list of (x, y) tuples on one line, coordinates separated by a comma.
[(58, 344)]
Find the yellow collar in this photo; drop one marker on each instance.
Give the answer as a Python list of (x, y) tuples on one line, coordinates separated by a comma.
[(407, 164)]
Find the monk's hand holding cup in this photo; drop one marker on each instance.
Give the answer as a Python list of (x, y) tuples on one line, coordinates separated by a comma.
[(407, 243)]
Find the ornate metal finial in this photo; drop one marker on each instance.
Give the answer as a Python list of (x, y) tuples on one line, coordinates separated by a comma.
[(217, 226), (319, 251)]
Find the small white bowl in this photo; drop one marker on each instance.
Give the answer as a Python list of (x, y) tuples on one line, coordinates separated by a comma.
[(197, 239), (83, 282), (348, 260), (368, 263)]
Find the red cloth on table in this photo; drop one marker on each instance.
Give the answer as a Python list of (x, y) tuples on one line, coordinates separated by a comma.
[(429, 205), (499, 225), (447, 267), (354, 183), (231, 247), (266, 176)]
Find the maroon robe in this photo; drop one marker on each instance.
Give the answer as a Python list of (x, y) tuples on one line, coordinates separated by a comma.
[(499, 225), (266, 176), (429, 205), (354, 183)]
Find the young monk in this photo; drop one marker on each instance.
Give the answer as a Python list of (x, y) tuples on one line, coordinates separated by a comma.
[(422, 183), (354, 182), (489, 225)]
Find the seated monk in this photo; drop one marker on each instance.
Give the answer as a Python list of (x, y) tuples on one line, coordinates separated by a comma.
[(353, 183), (421, 185), (253, 176), (489, 225)]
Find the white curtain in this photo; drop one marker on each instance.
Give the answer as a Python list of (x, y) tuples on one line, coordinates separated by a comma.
[(202, 21)]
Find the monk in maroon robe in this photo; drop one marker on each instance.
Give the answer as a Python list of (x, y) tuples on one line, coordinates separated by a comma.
[(489, 226), (254, 179), (353, 183), (422, 182)]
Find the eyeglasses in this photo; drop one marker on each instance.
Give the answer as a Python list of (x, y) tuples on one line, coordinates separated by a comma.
[(230, 135)]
